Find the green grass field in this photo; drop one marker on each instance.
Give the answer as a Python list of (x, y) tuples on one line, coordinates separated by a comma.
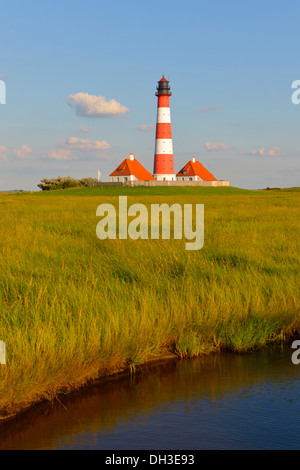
[(73, 307)]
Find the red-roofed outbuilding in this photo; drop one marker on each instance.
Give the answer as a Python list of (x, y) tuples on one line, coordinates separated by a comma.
[(130, 170), (194, 171)]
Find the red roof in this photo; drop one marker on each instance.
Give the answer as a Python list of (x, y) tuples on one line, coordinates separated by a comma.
[(132, 167), (163, 79), (194, 168)]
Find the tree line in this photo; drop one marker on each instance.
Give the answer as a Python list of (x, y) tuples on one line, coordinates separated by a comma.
[(64, 182)]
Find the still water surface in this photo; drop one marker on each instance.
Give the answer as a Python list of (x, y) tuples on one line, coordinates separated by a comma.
[(218, 402)]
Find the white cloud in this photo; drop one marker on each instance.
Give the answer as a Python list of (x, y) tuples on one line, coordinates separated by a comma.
[(84, 129), (77, 149), (73, 143), (272, 152), (23, 152), (8, 153), (95, 106), (209, 109), (60, 154), (216, 146), (145, 127)]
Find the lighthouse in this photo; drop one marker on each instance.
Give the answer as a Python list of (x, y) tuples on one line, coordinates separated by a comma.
[(163, 159)]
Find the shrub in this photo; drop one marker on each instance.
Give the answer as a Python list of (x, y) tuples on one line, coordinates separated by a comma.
[(64, 182), (89, 182)]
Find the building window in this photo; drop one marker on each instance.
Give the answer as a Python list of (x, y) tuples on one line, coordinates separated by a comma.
[(184, 172), (125, 179), (191, 179)]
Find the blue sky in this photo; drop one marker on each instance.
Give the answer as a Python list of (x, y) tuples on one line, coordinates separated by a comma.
[(230, 65)]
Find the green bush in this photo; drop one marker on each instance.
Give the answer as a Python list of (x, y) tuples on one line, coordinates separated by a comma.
[(88, 182), (64, 182)]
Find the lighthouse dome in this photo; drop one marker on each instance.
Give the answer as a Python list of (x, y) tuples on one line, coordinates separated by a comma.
[(163, 87)]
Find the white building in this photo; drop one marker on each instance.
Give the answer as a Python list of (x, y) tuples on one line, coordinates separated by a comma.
[(130, 170), (194, 171)]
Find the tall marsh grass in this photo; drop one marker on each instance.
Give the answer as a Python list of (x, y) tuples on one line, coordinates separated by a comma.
[(73, 307)]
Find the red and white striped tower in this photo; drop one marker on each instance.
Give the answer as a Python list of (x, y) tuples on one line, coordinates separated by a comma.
[(163, 159)]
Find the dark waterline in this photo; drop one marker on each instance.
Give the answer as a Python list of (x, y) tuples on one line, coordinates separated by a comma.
[(218, 402)]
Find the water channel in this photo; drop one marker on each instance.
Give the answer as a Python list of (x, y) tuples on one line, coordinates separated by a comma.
[(222, 401)]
